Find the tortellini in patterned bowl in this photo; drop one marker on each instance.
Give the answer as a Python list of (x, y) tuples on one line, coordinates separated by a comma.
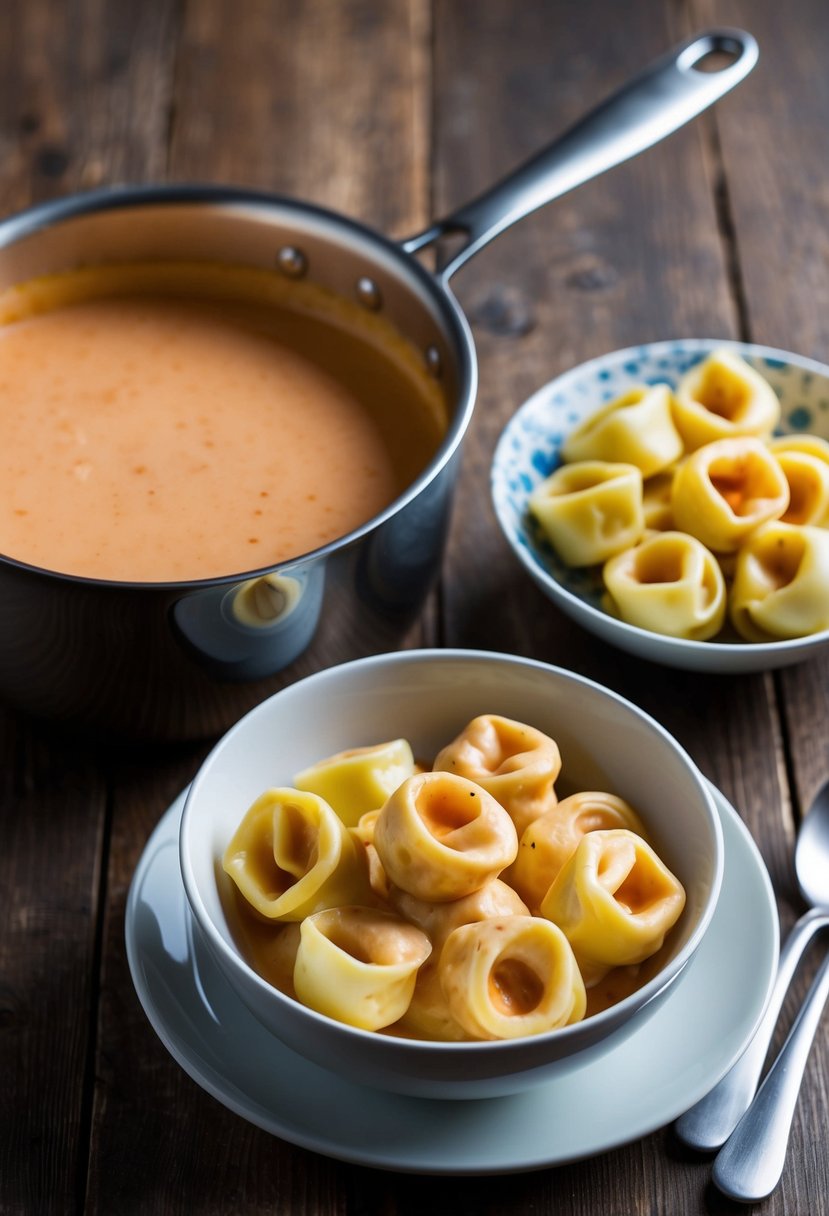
[(746, 433), (455, 981)]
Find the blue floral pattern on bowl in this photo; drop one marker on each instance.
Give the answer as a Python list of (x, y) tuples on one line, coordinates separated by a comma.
[(529, 450)]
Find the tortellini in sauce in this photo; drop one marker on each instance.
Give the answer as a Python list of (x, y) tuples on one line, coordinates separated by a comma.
[(359, 965), (697, 568), (441, 837), (513, 762), (292, 855), (512, 977), (553, 838), (359, 780), (420, 919), (614, 900)]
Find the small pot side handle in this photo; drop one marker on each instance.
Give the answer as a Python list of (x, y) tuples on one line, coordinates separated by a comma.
[(662, 98)]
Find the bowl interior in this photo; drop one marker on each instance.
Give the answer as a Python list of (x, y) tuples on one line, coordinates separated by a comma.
[(428, 697), (529, 450)]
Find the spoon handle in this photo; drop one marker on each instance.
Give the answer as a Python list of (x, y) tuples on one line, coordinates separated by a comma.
[(708, 1124), (749, 1167)]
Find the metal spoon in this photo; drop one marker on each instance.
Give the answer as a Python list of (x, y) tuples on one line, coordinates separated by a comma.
[(708, 1124)]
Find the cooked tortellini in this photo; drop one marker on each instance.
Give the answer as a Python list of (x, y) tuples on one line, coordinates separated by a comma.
[(514, 762), (808, 478), (636, 428), (668, 583), (292, 855), (422, 918), (685, 555), (614, 900), (781, 583), (723, 397), (441, 837), (511, 977), (429, 1015), (359, 965), (360, 779), (590, 510), (725, 490), (553, 838)]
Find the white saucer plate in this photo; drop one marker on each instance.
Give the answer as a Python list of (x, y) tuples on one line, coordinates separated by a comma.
[(658, 1072)]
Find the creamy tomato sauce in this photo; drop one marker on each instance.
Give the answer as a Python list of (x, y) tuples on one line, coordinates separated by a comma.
[(152, 436)]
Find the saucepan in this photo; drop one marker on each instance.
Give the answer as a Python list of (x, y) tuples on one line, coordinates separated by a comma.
[(181, 660)]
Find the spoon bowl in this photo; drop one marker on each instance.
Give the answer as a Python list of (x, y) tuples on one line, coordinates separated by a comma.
[(811, 858)]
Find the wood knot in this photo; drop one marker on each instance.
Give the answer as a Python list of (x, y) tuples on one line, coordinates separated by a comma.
[(592, 277), (504, 311), (52, 161)]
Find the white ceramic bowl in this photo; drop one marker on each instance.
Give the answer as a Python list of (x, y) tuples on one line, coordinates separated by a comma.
[(528, 451), (428, 697)]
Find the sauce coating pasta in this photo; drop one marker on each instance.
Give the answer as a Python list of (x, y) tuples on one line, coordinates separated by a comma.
[(422, 917)]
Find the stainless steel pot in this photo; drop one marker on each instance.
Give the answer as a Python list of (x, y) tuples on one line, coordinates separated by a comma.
[(150, 661)]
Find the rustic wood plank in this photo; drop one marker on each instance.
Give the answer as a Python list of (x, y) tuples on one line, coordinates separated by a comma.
[(82, 97), (326, 102), (51, 830)]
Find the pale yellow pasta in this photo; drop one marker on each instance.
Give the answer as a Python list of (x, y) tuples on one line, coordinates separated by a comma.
[(552, 838), (670, 584), (590, 510), (358, 965), (721, 398), (364, 832), (440, 837), (364, 828), (725, 490), (656, 502), (615, 901), (511, 977), (811, 445), (808, 478), (359, 780), (292, 855), (636, 428), (781, 583), (428, 1015), (515, 763)]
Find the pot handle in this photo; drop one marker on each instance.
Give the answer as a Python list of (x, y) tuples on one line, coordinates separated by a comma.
[(662, 98)]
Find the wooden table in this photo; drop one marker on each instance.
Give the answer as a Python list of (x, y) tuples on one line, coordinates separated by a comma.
[(395, 112)]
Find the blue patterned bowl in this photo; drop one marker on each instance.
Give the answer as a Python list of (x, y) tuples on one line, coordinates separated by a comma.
[(528, 451)]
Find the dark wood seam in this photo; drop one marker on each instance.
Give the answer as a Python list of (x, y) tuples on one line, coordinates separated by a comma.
[(85, 1120)]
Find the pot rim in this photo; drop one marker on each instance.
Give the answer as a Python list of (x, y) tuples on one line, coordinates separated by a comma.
[(41, 216)]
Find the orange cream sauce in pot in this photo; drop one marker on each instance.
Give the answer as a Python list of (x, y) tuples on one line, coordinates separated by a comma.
[(165, 424)]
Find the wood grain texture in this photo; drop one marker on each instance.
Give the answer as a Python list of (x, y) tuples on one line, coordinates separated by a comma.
[(51, 833)]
